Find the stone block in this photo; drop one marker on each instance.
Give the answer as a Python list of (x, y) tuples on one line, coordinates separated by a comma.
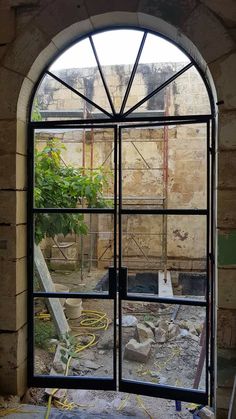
[(227, 288), (23, 102), (13, 277), (10, 85), (12, 242), (52, 20), (226, 331), (21, 172), (223, 398), (118, 19), (13, 207), (142, 333), (13, 348), (173, 12), (226, 367), (14, 380), (227, 169), (223, 73), (25, 49), (226, 209), (135, 351), (215, 42), (227, 128), (7, 25), (13, 312), (67, 35)]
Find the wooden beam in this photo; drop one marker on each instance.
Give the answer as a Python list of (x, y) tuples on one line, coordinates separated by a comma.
[(47, 285)]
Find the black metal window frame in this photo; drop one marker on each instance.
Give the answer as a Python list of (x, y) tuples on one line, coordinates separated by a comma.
[(116, 122)]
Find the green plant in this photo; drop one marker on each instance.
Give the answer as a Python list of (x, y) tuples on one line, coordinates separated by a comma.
[(69, 344), (58, 185), (44, 331), (36, 115)]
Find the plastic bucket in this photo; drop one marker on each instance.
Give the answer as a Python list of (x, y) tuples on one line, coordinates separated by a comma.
[(61, 288), (73, 308)]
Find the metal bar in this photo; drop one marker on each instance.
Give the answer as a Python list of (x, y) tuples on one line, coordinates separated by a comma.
[(95, 383), (213, 230), (78, 93), (166, 300), (158, 89), (208, 257), (191, 119), (114, 286), (120, 251), (133, 72), (86, 295), (167, 211), (102, 75), (165, 392), (73, 210), (30, 252)]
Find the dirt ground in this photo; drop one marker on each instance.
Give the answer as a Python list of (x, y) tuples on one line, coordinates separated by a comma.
[(172, 362)]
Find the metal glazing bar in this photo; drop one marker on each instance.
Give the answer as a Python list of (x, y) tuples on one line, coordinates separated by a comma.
[(86, 295), (165, 300), (78, 93), (166, 122), (133, 72), (212, 284), (165, 211), (120, 249), (30, 252), (158, 89), (166, 392), (73, 210), (208, 259), (114, 286), (60, 381), (102, 75), (76, 123)]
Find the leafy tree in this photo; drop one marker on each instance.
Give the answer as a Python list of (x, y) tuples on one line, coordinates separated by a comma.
[(58, 185)]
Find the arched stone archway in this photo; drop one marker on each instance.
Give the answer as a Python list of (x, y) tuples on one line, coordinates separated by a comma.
[(43, 31)]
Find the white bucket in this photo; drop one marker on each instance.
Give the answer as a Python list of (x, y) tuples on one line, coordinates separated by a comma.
[(73, 308), (61, 288)]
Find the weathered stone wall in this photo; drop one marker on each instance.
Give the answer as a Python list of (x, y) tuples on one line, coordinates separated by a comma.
[(31, 34)]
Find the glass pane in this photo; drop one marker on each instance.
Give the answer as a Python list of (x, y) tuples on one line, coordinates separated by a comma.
[(78, 68), (117, 60), (164, 167), (86, 350), (164, 344), (54, 101), (187, 95), (165, 255), (73, 261), (159, 61), (74, 168)]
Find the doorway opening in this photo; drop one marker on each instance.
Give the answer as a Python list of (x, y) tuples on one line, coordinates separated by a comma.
[(121, 146)]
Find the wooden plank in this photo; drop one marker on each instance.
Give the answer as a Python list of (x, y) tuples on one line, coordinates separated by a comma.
[(165, 287), (54, 305)]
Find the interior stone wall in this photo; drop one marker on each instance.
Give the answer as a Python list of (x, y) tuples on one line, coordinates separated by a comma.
[(31, 34)]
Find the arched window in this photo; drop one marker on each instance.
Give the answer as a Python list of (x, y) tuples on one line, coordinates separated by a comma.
[(121, 163)]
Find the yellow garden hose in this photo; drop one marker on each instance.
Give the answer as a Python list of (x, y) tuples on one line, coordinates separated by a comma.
[(96, 320)]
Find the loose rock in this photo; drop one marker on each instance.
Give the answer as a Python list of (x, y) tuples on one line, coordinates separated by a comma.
[(143, 333), (160, 335), (135, 351)]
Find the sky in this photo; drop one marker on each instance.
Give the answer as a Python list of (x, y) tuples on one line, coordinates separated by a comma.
[(119, 47)]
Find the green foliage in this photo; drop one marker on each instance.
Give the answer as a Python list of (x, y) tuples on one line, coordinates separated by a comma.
[(69, 344), (36, 115), (60, 186), (44, 331)]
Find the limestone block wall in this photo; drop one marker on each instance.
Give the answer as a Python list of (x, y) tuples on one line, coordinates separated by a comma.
[(31, 34)]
